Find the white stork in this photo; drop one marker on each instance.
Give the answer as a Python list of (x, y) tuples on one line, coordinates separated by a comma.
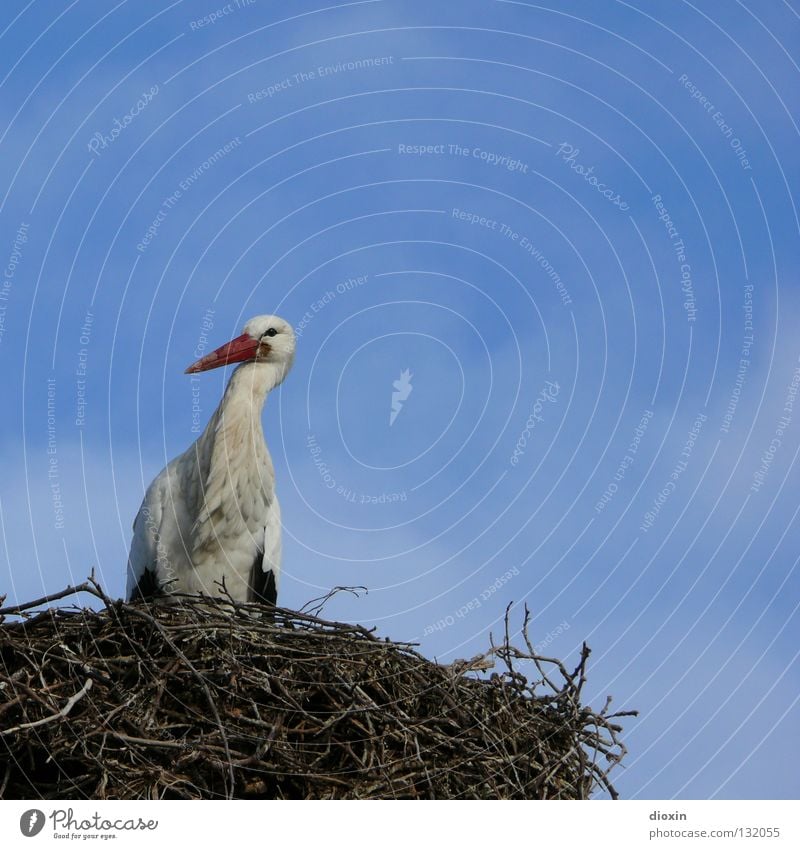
[(212, 513)]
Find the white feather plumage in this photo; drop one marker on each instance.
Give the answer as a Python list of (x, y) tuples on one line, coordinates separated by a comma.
[(212, 514)]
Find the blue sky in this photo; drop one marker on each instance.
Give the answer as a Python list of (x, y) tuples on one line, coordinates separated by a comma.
[(573, 224)]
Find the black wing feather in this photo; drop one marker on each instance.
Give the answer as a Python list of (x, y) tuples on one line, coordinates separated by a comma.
[(147, 587), (262, 584)]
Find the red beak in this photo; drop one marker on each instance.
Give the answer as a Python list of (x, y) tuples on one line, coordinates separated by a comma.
[(238, 350)]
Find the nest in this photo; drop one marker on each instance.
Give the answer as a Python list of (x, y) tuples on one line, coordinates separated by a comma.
[(202, 699)]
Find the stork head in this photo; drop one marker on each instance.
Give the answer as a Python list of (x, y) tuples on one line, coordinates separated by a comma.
[(267, 340)]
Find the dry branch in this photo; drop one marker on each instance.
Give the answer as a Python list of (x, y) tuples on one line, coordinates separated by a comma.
[(205, 699)]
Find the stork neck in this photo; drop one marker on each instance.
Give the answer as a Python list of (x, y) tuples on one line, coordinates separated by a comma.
[(235, 428), (243, 401), (250, 383), (237, 419)]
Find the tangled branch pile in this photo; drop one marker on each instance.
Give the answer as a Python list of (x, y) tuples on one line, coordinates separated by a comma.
[(196, 700)]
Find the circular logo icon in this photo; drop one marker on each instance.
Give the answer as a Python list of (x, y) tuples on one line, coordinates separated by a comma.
[(31, 822)]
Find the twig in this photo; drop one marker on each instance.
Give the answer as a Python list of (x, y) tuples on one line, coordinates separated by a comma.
[(324, 599), (207, 699), (16, 609), (211, 703), (60, 715)]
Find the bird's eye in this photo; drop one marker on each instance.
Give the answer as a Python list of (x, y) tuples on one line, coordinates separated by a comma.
[(271, 332)]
